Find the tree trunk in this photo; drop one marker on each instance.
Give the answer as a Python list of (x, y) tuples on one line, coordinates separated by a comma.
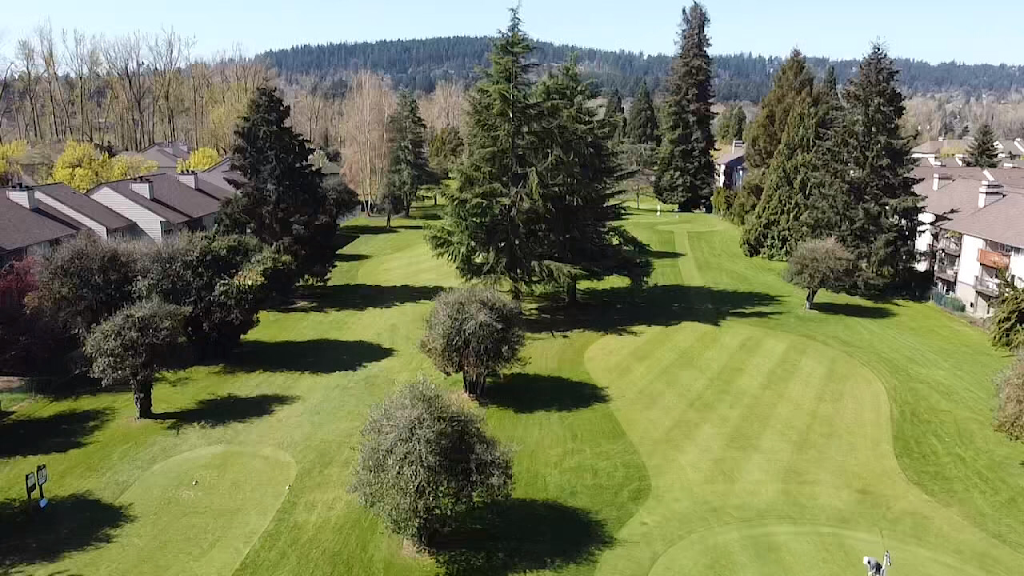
[(143, 400), (680, 208), (389, 219), (570, 293), (809, 304), (435, 198)]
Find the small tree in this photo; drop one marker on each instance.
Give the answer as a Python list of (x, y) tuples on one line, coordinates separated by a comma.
[(130, 347), (199, 160), (982, 151), (408, 169), (1007, 328), (820, 264), (84, 281), (475, 331), (425, 459), (1010, 414)]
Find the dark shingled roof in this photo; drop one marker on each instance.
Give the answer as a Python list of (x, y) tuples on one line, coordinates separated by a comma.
[(171, 197), (999, 221), (84, 205), (20, 227)]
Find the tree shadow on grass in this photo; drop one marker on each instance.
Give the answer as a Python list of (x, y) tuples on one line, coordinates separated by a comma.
[(853, 310), (619, 310), (664, 255), (58, 432), (227, 409), (527, 393), (341, 257), (520, 535), (321, 356), (361, 297), (68, 524), (366, 230)]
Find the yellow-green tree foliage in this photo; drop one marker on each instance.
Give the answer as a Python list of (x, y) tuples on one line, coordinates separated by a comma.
[(10, 154), (199, 160), (82, 166)]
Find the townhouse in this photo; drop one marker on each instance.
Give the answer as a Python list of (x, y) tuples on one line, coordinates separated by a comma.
[(730, 167)]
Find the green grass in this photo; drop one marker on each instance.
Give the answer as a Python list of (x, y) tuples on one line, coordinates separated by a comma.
[(711, 427)]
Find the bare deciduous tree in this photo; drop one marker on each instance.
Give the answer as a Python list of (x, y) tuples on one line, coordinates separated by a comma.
[(368, 105)]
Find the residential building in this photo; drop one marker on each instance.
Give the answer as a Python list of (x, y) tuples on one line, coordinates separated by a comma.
[(166, 155), (972, 233), (730, 167), (75, 210), (162, 204), (24, 230)]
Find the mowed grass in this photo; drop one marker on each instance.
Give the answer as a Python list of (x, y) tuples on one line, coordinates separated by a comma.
[(709, 426)]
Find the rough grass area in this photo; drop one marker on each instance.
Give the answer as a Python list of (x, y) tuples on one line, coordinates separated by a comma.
[(709, 426)]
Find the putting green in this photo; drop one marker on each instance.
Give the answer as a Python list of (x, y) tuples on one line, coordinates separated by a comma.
[(203, 510)]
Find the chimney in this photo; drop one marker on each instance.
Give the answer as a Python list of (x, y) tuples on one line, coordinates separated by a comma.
[(143, 187), (938, 178), (23, 195), (990, 192), (190, 179)]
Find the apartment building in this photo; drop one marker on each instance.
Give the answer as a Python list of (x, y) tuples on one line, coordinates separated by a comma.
[(972, 232)]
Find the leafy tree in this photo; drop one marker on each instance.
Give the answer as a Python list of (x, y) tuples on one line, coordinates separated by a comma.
[(982, 151), (731, 124), (793, 82), (425, 459), (642, 126), (491, 209), (1010, 413), (578, 188), (873, 188), (685, 174), (282, 200), (820, 265), (1007, 327), (10, 154), (445, 150), (474, 331), (214, 278), (199, 160), (83, 167), (130, 347), (408, 169), (85, 280)]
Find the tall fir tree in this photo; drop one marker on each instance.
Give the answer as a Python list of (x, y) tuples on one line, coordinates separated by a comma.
[(685, 172), (494, 205), (282, 199), (578, 187), (982, 151), (874, 166), (739, 123), (792, 82), (408, 168), (615, 113), (642, 125)]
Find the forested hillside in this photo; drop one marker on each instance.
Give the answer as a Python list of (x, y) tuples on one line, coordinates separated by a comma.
[(420, 64)]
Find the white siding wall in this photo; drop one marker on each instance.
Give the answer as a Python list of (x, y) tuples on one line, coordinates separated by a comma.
[(93, 225), (148, 221), (924, 241), (1017, 263), (969, 269)]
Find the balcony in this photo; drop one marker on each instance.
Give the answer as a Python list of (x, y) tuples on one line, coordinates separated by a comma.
[(987, 285), (947, 273), (949, 246), (993, 259)]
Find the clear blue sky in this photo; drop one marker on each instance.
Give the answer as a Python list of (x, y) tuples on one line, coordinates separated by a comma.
[(938, 30)]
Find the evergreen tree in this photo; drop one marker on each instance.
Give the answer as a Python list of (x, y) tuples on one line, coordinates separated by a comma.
[(408, 169), (615, 113), (877, 198), (739, 123), (445, 150), (642, 126), (282, 199), (982, 152), (492, 209), (685, 173), (793, 82), (578, 189)]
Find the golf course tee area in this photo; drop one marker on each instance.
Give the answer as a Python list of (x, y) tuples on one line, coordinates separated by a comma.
[(708, 426)]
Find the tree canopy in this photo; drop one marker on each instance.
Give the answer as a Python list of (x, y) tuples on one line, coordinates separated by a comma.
[(982, 151), (642, 125), (408, 168), (820, 265)]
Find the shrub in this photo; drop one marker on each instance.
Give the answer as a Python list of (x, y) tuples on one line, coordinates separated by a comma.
[(1010, 414), (130, 347), (475, 331), (199, 160), (820, 264), (1007, 328), (424, 460), (223, 280), (84, 281)]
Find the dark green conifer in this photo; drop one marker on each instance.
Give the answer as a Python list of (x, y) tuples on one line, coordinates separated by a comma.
[(685, 172), (642, 126), (793, 82), (408, 169), (982, 152)]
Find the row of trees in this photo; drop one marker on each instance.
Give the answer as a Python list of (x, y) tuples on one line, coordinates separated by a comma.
[(824, 164), (532, 204)]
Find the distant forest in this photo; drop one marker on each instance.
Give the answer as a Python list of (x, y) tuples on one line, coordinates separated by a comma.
[(420, 64)]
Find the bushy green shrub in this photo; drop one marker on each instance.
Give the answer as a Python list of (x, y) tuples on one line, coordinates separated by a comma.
[(1010, 414), (425, 459)]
